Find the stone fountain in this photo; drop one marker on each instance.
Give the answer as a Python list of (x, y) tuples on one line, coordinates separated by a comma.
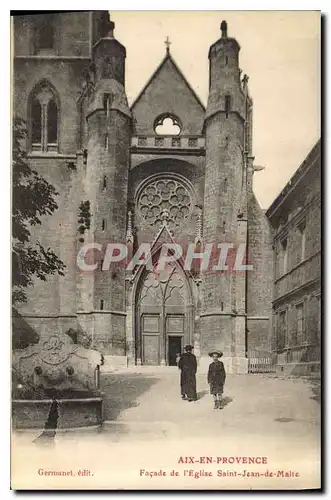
[(56, 370)]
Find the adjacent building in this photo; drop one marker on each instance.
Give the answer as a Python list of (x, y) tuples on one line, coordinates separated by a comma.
[(295, 217)]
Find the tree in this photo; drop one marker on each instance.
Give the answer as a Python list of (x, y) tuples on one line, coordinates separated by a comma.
[(32, 197)]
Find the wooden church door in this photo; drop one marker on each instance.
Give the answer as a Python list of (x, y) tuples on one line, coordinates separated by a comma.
[(162, 328)]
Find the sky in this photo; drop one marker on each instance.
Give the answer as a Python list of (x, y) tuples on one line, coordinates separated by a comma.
[(280, 52)]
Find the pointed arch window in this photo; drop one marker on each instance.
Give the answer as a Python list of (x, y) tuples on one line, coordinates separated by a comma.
[(44, 119)]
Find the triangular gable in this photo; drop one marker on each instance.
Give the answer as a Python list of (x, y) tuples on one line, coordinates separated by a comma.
[(163, 236), (168, 91)]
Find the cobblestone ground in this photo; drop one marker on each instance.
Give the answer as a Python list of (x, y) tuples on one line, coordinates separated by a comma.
[(148, 427)]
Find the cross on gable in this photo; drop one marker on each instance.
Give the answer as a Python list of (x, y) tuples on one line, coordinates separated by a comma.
[(167, 43)]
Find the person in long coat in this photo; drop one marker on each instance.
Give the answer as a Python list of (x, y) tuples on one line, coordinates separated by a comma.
[(216, 377), (188, 368)]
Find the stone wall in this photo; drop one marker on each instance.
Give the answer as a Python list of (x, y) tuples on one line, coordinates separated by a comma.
[(259, 279)]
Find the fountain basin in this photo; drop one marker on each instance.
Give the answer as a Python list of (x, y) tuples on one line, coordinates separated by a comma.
[(74, 413)]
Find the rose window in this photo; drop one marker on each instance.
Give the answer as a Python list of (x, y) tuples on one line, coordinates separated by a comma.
[(166, 200)]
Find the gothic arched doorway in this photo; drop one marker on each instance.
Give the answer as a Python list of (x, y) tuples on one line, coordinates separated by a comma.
[(164, 316)]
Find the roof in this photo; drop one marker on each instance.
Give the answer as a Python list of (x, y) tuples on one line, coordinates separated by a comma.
[(305, 166)]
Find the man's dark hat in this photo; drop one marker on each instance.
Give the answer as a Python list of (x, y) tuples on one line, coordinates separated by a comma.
[(219, 353), (188, 347)]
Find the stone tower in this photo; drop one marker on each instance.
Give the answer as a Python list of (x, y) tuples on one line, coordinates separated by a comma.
[(223, 315), (106, 181)]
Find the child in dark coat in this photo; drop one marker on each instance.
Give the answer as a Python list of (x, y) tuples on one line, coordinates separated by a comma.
[(216, 377)]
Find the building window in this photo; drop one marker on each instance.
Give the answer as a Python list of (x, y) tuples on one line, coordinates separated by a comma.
[(104, 185), (283, 257), (227, 105), (44, 119), (300, 334), (282, 331), (103, 224), (106, 103), (44, 35), (101, 305), (302, 230), (167, 124), (165, 196), (106, 141)]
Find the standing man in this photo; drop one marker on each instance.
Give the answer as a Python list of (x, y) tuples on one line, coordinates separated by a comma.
[(188, 368)]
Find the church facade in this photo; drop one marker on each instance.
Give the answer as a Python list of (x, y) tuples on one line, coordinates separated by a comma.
[(166, 169)]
